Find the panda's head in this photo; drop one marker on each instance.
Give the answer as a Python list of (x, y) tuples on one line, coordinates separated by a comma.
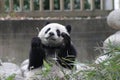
[(50, 34)]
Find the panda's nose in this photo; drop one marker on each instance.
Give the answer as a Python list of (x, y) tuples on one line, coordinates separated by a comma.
[(51, 34)]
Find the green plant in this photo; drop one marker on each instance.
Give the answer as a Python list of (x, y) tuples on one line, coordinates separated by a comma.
[(47, 69), (11, 77), (108, 69)]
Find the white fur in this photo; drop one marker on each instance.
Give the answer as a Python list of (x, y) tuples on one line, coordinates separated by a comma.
[(54, 26)]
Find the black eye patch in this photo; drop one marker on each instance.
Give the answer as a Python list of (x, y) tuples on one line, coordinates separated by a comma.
[(47, 30), (58, 32)]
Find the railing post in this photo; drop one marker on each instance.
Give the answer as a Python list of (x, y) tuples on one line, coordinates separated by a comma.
[(92, 5), (112, 4), (102, 4), (31, 5), (41, 5), (61, 5), (1, 5), (11, 5), (71, 5), (51, 5), (82, 4), (119, 3), (21, 3)]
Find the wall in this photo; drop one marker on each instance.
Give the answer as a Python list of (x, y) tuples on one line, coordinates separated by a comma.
[(15, 37)]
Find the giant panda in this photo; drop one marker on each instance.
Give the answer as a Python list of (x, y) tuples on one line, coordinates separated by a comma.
[(53, 41)]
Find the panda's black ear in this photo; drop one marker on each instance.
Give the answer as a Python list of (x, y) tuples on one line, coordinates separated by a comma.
[(47, 23), (68, 27)]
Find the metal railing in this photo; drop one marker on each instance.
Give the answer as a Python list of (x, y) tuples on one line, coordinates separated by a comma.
[(52, 12)]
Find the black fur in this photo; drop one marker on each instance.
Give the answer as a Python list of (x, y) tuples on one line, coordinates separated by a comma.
[(47, 30), (37, 54), (68, 27), (47, 23), (66, 53)]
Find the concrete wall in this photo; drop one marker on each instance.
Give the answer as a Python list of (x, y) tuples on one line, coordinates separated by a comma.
[(15, 37)]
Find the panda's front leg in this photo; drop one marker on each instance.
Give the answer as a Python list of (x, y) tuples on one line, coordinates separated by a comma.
[(67, 52), (66, 40), (37, 54)]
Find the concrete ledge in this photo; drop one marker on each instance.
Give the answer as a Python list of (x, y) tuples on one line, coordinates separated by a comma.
[(15, 37)]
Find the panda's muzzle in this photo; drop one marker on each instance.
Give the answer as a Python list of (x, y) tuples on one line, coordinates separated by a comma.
[(51, 36)]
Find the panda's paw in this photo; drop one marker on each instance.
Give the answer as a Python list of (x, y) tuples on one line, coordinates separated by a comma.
[(36, 42), (66, 38)]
